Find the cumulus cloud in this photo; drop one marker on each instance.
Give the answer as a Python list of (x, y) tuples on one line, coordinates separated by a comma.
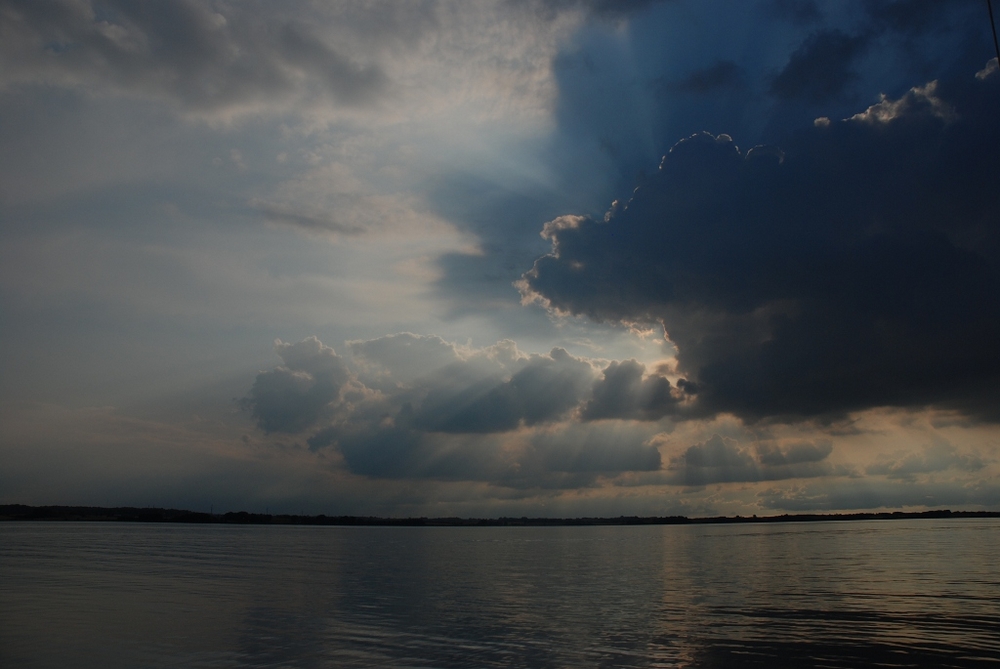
[(546, 388), (624, 391), (411, 406), (858, 266), (462, 390), (919, 100), (407, 406), (724, 460), (296, 395), (402, 358), (542, 390)]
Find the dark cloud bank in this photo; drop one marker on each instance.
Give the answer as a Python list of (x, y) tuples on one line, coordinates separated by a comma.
[(855, 267)]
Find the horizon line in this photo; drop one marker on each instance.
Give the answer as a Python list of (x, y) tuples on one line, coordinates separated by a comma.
[(23, 512)]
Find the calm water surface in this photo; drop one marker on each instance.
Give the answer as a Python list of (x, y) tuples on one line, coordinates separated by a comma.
[(923, 593)]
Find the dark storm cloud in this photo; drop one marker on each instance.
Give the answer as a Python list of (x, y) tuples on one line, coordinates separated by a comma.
[(179, 49), (722, 74), (820, 68), (858, 267), (722, 460)]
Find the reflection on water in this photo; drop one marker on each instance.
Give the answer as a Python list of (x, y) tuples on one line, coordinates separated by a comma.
[(923, 593)]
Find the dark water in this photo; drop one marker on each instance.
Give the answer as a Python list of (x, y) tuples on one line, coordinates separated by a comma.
[(922, 593)]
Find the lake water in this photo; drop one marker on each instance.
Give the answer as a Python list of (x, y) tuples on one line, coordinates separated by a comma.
[(922, 593)]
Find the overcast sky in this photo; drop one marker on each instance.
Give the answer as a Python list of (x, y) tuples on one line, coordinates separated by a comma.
[(500, 258)]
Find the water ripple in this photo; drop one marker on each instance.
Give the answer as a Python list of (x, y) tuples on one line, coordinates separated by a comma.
[(902, 594)]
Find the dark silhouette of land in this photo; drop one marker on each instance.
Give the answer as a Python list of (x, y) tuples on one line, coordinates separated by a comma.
[(14, 512)]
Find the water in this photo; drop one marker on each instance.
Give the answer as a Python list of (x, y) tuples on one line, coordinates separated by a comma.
[(922, 593)]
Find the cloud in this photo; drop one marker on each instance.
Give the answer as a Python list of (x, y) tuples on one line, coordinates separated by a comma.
[(910, 16), (856, 494), (542, 390), (918, 101), (856, 267), (397, 451), (793, 453), (340, 198), (412, 406), (820, 68), (626, 392), (722, 74), (181, 51), (797, 11), (559, 457), (596, 450), (366, 62), (933, 458), (316, 222), (723, 460), (402, 358), (464, 391), (607, 10), (989, 70), (296, 395)]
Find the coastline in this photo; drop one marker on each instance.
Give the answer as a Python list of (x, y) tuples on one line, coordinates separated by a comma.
[(22, 512)]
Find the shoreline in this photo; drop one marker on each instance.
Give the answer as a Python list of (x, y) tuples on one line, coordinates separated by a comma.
[(22, 512)]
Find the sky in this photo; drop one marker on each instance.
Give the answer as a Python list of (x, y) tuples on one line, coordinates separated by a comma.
[(500, 258)]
